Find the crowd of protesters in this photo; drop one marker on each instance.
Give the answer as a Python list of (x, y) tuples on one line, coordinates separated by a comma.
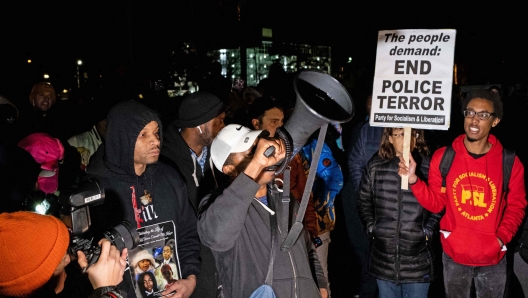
[(187, 165)]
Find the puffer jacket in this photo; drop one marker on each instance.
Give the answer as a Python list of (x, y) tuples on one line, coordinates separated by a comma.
[(400, 228)]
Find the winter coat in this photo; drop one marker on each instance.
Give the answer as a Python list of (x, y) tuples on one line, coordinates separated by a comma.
[(365, 143), (400, 228), (327, 184), (176, 153)]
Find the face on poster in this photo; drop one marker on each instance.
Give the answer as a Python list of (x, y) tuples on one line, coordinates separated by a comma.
[(154, 264), (413, 79)]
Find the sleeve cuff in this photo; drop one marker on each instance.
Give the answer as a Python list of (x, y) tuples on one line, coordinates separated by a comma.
[(190, 270)]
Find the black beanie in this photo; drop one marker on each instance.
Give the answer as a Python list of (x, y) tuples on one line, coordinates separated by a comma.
[(198, 108)]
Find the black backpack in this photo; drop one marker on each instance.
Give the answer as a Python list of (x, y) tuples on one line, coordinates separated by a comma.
[(508, 157)]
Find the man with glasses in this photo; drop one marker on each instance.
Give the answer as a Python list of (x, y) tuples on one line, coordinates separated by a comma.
[(480, 220)]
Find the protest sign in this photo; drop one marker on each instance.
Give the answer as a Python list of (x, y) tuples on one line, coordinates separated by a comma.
[(413, 79)]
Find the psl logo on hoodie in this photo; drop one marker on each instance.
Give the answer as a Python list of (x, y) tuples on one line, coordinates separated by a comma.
[(470, 197), (474, 195)]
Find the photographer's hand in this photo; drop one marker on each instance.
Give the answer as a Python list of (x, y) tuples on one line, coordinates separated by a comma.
[(183, 288), (109, 269)]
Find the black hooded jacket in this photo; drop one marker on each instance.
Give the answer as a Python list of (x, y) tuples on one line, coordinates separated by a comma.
[(113, 165), (175, 152)]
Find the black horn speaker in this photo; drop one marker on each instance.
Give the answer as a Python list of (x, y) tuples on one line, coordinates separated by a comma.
[(321, 99)]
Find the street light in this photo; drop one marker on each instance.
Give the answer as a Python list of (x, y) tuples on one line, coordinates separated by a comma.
[(79, 63)]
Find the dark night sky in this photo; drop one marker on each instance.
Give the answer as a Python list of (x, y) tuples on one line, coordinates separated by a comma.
[(491, 37)]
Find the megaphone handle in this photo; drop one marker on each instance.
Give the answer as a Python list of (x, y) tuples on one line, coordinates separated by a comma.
[(313, 171), (270, 151), (296, 228)]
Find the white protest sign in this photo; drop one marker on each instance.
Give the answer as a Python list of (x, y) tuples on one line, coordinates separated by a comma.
[(413, 79)]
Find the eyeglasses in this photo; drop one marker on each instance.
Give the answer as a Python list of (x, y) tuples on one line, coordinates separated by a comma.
[(400, 135), (481, 115)]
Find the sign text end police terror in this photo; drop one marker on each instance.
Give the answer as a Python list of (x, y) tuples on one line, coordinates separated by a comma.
[(413, 78)]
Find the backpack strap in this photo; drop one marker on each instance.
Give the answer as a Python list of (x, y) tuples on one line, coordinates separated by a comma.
[(445, 164), (508, 157)]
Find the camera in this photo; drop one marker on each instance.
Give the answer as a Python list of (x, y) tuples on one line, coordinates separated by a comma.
[(75, 202)]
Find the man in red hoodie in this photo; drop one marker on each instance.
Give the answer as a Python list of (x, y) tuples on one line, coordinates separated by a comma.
[(479, 219)]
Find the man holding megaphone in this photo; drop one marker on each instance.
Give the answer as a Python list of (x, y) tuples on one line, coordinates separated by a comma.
[(240, 221)]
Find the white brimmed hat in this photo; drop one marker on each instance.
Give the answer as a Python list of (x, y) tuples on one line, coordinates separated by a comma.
[(232, 139), (143, 255)]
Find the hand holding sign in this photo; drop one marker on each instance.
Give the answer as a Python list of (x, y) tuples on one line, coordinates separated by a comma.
[(407, 168), (412, 83)]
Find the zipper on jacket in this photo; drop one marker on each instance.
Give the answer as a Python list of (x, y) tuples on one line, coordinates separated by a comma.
[(398, 227), (294, 275), (293, 269)]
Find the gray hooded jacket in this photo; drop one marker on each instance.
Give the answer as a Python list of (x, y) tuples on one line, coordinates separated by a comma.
[(237, 229)]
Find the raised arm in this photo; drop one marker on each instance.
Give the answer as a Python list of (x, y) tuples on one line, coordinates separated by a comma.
[(222, 215)]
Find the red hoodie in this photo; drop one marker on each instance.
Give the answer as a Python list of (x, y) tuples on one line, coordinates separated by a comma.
[(476, 211)]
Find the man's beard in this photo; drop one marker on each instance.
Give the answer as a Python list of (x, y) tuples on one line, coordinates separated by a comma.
[(206, 137), (471, 140)]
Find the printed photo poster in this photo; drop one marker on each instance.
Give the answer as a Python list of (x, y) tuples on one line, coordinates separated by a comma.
[(154, 263), (413, 79)]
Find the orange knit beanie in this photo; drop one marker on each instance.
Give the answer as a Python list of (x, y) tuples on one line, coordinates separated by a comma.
[(31, 248)]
